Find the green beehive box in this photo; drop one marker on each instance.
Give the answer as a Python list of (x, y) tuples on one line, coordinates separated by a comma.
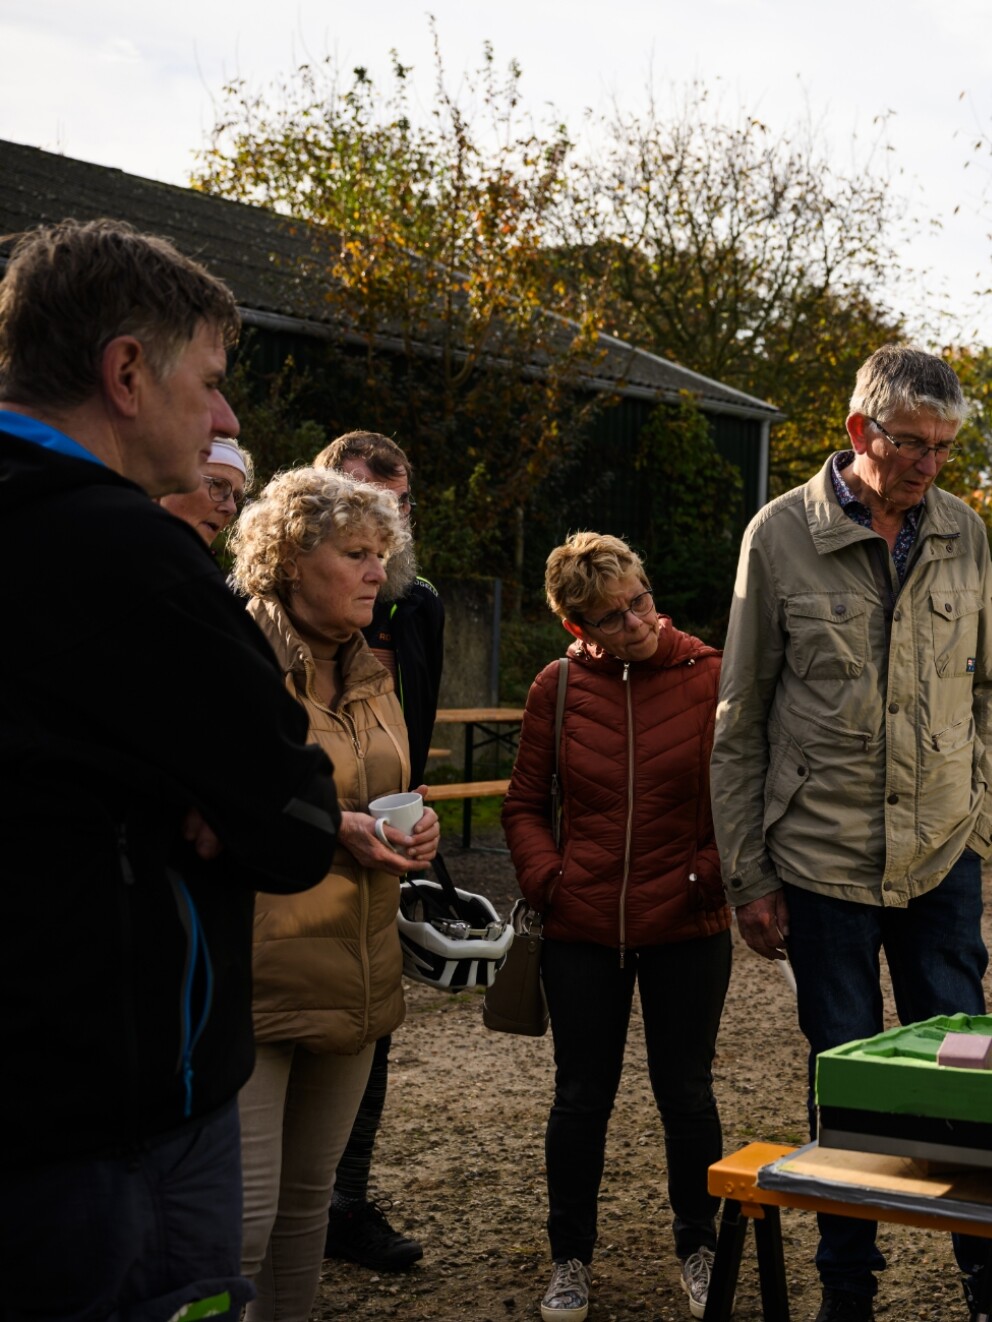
[(897, 1073)]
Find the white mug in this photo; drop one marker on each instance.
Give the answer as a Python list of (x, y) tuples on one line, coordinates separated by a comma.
[(403, 811)]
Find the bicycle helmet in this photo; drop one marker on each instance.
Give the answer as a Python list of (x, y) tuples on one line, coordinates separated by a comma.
[(450, 943)]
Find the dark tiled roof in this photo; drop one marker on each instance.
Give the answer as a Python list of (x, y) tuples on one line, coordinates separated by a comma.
[(272, 263)]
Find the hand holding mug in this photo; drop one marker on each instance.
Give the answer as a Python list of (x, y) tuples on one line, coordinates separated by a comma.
[(406, 815), (400, 811)]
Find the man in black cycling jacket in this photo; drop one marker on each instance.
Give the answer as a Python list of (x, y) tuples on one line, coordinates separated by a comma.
[(154, 774)]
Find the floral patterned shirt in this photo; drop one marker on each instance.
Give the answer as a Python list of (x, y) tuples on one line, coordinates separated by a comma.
[(861, 514)]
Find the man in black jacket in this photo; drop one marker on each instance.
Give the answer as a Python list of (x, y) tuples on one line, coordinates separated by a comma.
[(153, 774), (407, 629)]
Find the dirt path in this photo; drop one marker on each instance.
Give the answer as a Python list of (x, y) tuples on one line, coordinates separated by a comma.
[(461, 1156)]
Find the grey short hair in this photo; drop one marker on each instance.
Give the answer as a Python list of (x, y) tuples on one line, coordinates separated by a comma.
[(296, 512), (899, 377)]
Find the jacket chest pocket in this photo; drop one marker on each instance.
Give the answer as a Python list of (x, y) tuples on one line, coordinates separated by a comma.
[(954, 618), (828, 634)]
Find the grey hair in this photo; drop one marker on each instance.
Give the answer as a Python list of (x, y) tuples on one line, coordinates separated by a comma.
[(72, 287), (246, 459), (296, 512), (900, 378)]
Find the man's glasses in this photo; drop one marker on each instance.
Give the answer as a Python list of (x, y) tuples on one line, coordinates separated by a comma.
[(642, 605), (912, 446), (220, 490), (406, 502)]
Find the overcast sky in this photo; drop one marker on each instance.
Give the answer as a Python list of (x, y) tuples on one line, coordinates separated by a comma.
[(136, 86)]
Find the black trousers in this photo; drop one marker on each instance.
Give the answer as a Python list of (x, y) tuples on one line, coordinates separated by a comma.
[(137, 1236), (682, 988), (351, 1183)]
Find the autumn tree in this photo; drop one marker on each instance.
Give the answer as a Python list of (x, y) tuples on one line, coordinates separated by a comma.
[(741, 253), (473, 259), (428, 237), (970, 473)]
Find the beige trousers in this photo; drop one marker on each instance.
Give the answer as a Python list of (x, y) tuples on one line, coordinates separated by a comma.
[(297, 1110)]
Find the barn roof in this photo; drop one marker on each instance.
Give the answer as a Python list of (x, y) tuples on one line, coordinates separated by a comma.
[(273, 265)]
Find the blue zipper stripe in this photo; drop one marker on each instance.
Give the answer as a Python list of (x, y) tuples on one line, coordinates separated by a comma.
[(190, 1035)]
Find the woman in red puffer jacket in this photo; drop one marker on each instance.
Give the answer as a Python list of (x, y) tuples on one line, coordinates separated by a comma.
[(632, 894)]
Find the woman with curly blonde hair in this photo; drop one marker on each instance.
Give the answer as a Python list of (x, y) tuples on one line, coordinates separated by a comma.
[(310, 552)]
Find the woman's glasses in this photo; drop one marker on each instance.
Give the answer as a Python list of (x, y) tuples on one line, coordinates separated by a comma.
[(642, 605)]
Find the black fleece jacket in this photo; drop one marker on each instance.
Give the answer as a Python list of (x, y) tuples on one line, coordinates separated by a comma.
[(414, 628), (133, 687)]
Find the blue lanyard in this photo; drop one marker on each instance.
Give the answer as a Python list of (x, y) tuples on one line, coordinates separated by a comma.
[(39, 433)]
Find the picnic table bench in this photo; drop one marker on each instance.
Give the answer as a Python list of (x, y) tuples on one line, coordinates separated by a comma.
[(484, 726), (761, 1178)]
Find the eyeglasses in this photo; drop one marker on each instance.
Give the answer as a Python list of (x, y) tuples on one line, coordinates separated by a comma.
[(406, 502), (944, 453), (220, 490), (642, 605)]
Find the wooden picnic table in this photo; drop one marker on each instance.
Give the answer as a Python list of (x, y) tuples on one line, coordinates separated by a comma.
[(484, 726), (478, 715)]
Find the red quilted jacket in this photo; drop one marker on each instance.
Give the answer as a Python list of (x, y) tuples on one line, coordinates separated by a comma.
[(638, 864)]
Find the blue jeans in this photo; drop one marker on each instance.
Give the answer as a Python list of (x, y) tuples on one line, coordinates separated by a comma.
[(127, 1239), (682, 987), (936, 958)]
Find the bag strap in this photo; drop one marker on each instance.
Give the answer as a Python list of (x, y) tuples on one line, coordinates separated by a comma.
[(556, 805)]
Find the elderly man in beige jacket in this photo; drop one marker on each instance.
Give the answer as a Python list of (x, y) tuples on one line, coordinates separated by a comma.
[(851, 762)]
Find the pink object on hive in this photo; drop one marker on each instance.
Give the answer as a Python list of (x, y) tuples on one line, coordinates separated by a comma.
[(969, 1051)]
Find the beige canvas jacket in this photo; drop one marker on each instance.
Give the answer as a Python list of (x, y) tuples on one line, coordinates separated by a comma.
[(327, 964), (842, 763)]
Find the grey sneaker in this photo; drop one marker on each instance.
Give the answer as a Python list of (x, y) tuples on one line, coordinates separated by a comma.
[(567, 1297), (695, 1279)]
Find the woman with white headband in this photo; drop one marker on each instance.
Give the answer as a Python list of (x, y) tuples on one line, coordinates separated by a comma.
[(226, 479)]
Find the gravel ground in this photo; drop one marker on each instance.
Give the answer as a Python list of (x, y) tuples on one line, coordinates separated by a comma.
[(460, 1156)]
